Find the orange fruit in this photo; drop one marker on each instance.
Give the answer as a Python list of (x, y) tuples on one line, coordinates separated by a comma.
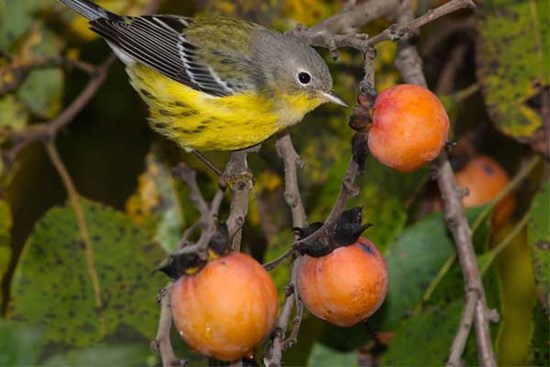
[(347, 285), (409, 127), (225, 309), (485, 179)]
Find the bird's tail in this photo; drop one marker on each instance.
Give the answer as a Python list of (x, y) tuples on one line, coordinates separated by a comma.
[(89, 9)]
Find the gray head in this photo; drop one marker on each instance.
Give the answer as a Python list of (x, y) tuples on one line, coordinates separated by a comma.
[(294, 67)]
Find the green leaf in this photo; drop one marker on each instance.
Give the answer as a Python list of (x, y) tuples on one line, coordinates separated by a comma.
[(538, 237), (13, 115), (425, 340), (413, 261), (324, 356), (512, 60), (42, 92), (538, 348), (16, 18), (156, 203), (21, 344), (52, 284), (518, 297), (109, 355)]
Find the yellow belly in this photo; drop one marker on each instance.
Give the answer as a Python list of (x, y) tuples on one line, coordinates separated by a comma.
[(199, 121)]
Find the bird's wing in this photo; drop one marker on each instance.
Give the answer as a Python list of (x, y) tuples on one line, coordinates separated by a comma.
[(160, 42)]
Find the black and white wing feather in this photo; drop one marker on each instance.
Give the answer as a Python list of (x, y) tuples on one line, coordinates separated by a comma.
[(159, 42)]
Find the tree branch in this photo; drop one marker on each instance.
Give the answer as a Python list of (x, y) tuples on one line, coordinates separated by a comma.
[(360, 41), (292, 161), (410, 65), (405, 27), (189, 176), (356, 16), (14, 73), (274, 350), (241, 181), (162, 343), (44, 131), (459, 342)]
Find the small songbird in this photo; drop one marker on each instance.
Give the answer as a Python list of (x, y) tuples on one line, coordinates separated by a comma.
[(214, 83)]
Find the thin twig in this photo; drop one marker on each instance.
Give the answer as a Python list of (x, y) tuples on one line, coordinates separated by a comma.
[(14, 73), (404, 28), (207, 163), (356, 16), (322, 38), (47, 130), (274, 350), (82, 226), (275, 262), (291, 160), (446, 80), (239, 178), (208, 214), (162, 342), (324, 234), (297, 320), (189, 232), (461, 337), (201, 247), (189, 176)]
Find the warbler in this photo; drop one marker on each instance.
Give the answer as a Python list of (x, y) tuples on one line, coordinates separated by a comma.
[(214, 83)]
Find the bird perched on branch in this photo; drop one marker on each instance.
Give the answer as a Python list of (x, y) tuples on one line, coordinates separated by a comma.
[(214, 83)]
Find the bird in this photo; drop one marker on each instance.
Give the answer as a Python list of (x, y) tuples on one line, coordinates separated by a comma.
[(214, 83)]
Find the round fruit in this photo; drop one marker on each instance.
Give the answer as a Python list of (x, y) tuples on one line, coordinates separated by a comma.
[(227, 308), (409, 127), (345, 286), (485, 179)]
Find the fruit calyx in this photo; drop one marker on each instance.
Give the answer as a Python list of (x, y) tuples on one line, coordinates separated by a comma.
[(182, 261), (346, 231)]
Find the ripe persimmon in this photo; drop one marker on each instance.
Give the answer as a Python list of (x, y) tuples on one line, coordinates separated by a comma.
[(225, 309), (485, 179), (409, 127), (347, 285)]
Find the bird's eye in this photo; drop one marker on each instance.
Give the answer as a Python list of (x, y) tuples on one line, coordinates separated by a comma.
[(304, 77)]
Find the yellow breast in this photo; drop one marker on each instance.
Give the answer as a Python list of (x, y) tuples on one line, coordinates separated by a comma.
[(199, 121)]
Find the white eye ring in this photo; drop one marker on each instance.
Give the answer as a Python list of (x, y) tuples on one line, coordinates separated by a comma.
[(304, 77)]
